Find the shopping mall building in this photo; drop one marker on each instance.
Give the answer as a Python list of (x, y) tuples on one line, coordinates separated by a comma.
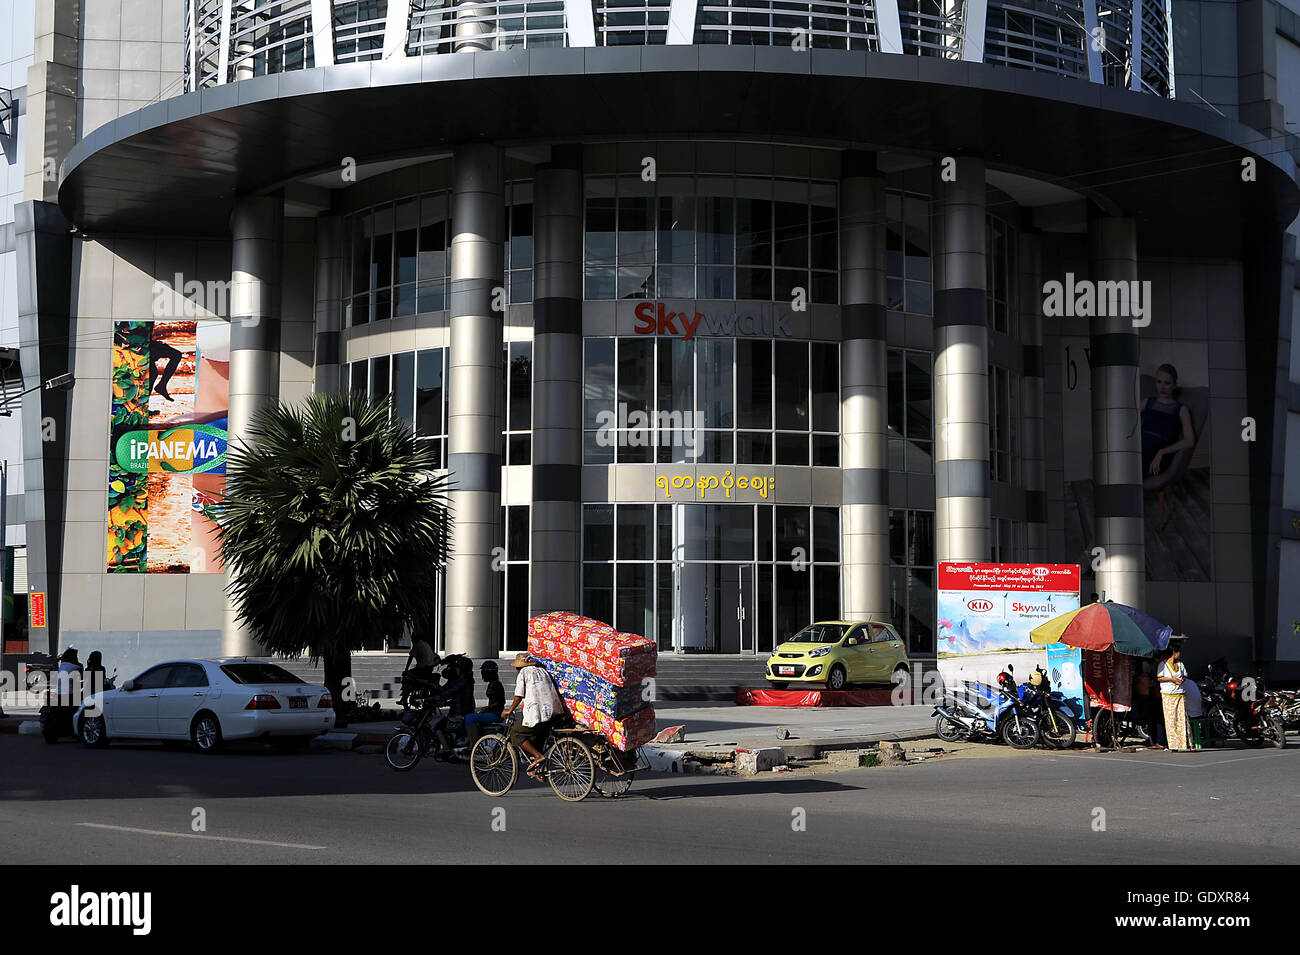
[(726, 315)]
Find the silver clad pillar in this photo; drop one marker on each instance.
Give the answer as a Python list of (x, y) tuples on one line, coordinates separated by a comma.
[(1116, 430), (864, 462), (474, 27), (329, 303), (256, 227), (473, 620), (961, 401), (557, 384), (1033, 468)]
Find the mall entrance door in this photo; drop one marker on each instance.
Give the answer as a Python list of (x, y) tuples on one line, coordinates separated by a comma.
[(714, 608)]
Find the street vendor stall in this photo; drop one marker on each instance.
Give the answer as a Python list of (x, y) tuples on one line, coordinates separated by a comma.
[(1111, 636)]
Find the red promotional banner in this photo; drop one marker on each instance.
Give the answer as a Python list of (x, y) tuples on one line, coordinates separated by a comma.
[(36, 603), (1042, 578)]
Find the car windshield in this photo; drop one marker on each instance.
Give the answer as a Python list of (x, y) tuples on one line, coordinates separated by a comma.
[(258, 673), (819, 633)]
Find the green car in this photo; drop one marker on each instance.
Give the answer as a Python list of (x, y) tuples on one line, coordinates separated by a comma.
[(838, 653)]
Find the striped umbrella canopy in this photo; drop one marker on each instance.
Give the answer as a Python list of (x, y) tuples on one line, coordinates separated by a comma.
[(1100, 626)]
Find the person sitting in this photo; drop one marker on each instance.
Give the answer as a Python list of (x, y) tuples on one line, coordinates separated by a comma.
[(458, 694), (419, 674), (68, 678), (535, 690), (496, 702)]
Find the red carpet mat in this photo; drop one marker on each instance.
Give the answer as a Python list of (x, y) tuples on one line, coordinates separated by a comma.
[(813, 697)]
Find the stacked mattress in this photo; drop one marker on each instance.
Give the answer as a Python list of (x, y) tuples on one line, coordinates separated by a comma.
[(600, 673)]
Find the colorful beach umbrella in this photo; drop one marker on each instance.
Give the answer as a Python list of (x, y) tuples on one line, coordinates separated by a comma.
[(1100, 626)]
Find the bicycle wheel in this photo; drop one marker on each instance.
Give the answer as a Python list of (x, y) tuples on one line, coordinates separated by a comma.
[(493, 764), (1103, 729), (403, 750), (1058, 729), (570, 769)]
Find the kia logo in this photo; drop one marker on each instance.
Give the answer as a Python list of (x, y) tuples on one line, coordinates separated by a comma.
[(979, 606), (1041, 571)]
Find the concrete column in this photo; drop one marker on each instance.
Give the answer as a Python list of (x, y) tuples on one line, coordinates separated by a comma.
[(256, 228), (329, 304), (1116, 427), (864, 419), (961, 348), (1033, 468), (556, 552), (474, 401)]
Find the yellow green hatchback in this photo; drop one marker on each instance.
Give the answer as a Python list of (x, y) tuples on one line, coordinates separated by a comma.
[(838, 653)]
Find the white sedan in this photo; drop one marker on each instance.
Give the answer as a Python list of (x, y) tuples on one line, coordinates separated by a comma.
[(208, 702)]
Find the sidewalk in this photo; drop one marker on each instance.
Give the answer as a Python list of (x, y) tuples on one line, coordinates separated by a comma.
[(711, 729)]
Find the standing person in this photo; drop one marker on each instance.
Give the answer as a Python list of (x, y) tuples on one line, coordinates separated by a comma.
[(496, 702), (1171, 676), (535, 690), (95, 678)]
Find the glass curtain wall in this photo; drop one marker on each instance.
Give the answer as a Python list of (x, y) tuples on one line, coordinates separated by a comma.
[(727, 578)]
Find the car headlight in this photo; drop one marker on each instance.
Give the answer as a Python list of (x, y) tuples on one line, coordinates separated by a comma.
[(820, 652), (813, 671)]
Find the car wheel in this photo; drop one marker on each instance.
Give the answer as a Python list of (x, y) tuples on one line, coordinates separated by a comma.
[(902, 675), (205, 732), (93, 732), (838, 679)]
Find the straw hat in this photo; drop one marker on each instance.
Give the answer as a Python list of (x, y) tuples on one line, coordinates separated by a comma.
[(521, 660)]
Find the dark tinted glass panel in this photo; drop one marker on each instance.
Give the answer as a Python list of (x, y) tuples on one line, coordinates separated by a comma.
[(517, 534), (360, 377), (634, 540), (598, 380), (792, 600), (428, 392), (601, 228), (379, 384), (792, 449), (404, 386), (791, 235), (791, 386), (792, 543), (521, 386), (598, 532), (826, 387), (826, 592), (753, 232), (826, 534)]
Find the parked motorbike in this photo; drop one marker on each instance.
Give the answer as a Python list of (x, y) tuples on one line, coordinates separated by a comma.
[(1216, 699), (59, 708), (1239, 711), (981, 711), (1285, 704), (1057, 721)]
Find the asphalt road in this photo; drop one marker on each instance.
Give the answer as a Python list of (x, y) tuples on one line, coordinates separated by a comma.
[(135, 804)]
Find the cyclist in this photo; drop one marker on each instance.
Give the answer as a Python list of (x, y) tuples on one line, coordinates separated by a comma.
[(457, 693), (536, 691)]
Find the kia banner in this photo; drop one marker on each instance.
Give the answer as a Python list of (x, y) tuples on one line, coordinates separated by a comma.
[(986, 608)]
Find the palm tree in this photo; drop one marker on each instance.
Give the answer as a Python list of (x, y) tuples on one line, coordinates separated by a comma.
[(336, 529)]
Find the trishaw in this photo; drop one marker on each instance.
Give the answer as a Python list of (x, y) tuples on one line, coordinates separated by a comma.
[(577, 760)]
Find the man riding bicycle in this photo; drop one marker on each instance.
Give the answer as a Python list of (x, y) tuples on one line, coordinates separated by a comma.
[(542, 704)]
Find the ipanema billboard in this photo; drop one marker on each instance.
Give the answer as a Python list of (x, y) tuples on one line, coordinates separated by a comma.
[(167, 462)]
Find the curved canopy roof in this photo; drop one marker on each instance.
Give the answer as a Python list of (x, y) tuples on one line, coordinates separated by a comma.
[(176, 166)]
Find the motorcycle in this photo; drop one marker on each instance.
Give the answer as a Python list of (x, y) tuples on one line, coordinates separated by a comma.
[(1240, 708), (1286, 705), (417, 738), (1057, 721), (981, 711), (56, 714), (1216, 699)]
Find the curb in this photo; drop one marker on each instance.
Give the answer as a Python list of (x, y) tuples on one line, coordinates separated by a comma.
[(815, 748), (349, 740)]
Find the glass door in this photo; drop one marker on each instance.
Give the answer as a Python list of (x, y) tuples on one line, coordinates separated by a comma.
[(747, 615)]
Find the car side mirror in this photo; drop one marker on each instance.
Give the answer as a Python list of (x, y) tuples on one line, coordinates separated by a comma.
[(128, 686), (851, 642)]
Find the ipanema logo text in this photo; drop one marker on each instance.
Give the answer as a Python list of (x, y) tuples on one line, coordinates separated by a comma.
[(190, 449)]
